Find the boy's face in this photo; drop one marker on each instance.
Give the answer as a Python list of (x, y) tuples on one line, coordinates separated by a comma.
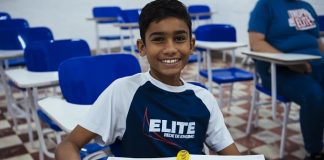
[(168, 46)]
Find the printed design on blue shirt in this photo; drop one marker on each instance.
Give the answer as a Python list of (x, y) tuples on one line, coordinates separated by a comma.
[(301, 19), (154, 128)]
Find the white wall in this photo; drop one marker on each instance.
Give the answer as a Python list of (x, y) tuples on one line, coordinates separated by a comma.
[(67, 18)]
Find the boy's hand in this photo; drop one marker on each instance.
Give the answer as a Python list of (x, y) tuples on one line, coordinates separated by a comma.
[(301, 68)]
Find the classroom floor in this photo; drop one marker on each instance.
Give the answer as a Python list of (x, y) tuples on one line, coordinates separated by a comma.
[(265, 139)]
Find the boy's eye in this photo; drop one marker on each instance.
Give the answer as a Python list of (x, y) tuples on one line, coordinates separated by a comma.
[(180, 38), (158, 39)]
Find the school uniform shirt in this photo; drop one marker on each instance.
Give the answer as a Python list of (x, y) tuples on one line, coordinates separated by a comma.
[(152, 119)]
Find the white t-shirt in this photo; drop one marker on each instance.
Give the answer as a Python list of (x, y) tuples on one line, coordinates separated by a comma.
[(152, 119)]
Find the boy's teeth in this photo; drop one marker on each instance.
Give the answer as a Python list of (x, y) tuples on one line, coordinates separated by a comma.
[(170, 61)]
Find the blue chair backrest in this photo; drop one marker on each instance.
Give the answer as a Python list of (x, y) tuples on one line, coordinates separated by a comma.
[(42, 56), (216, 32), (199, 9), (112, 11), (131, 15), (14, 24), (16, 39), (321, 22), (4, 16), (83, 79)]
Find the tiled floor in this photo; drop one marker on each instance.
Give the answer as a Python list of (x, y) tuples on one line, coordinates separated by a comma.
[(14, 144)]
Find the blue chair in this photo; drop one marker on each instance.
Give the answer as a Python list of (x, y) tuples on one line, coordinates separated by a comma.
[(83, 79), (4, 16), (13, 24), (195, 10), (85, 85), (19, 39), (222, 33), (130, 16), (45, 56), (104, 12), (254, 111), (321, 22)]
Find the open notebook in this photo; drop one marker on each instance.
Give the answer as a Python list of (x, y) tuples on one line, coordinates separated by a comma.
[(200, 157)]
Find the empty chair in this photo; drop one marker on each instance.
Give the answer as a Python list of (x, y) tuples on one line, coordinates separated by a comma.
[(130, 16), (46, 56), (109, 15), (222, 33), (13, 24), (42, 56), (18, 39), (4, 16), (199, 12)]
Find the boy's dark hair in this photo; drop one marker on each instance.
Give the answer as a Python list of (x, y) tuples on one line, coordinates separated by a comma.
[(158, 10)]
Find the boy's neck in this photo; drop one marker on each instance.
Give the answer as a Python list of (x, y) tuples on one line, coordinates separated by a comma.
[(169, 80)]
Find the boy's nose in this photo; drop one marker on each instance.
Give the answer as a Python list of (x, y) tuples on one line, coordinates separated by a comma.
[(170, 48)]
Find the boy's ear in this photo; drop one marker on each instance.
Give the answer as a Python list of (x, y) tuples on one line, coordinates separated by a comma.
[(141, 47), (192, 45)]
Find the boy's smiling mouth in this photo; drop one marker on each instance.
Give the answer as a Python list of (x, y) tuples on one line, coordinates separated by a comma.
[(171, 61)]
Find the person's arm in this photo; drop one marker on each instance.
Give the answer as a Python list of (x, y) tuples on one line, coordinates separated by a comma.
[(258, 43), (321, 45), (69, 148), (229, 150)]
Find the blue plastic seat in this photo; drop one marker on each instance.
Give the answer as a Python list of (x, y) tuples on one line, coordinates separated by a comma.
[(104, 12), (83, 79), (4, 16), (13, 24), (19, 39), (94, 75), (43, 56), (199, 9), (197, 20), (230, 75), (130, 16)]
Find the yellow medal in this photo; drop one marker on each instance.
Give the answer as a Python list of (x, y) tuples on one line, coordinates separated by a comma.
[(183, 155)]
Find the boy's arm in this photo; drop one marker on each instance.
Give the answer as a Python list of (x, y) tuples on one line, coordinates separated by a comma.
[(69, 148), (229, 150)]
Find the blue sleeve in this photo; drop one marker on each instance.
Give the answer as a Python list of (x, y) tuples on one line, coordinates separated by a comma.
[(316, 18), (260, 17)]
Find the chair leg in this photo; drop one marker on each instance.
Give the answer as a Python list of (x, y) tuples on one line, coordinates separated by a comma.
[(230, 96), (252, 110), (284, 130), (221, 96)]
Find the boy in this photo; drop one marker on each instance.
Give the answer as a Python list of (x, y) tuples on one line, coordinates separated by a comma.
[(155, 114)]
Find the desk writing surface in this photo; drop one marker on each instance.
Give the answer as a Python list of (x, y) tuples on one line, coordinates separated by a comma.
[(219, 45), (130, 25), (98, 19), (9, 54), (65, 114), (200, 157), (27, 79), (282, 58), (201, 14)]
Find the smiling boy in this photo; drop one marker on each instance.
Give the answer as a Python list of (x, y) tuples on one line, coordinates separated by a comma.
[(156, 114)]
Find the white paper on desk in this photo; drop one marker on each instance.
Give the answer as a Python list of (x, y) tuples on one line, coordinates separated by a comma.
[(200, 157)]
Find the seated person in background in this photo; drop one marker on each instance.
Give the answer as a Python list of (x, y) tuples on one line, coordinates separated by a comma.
[(291, 26), (155, 114)]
